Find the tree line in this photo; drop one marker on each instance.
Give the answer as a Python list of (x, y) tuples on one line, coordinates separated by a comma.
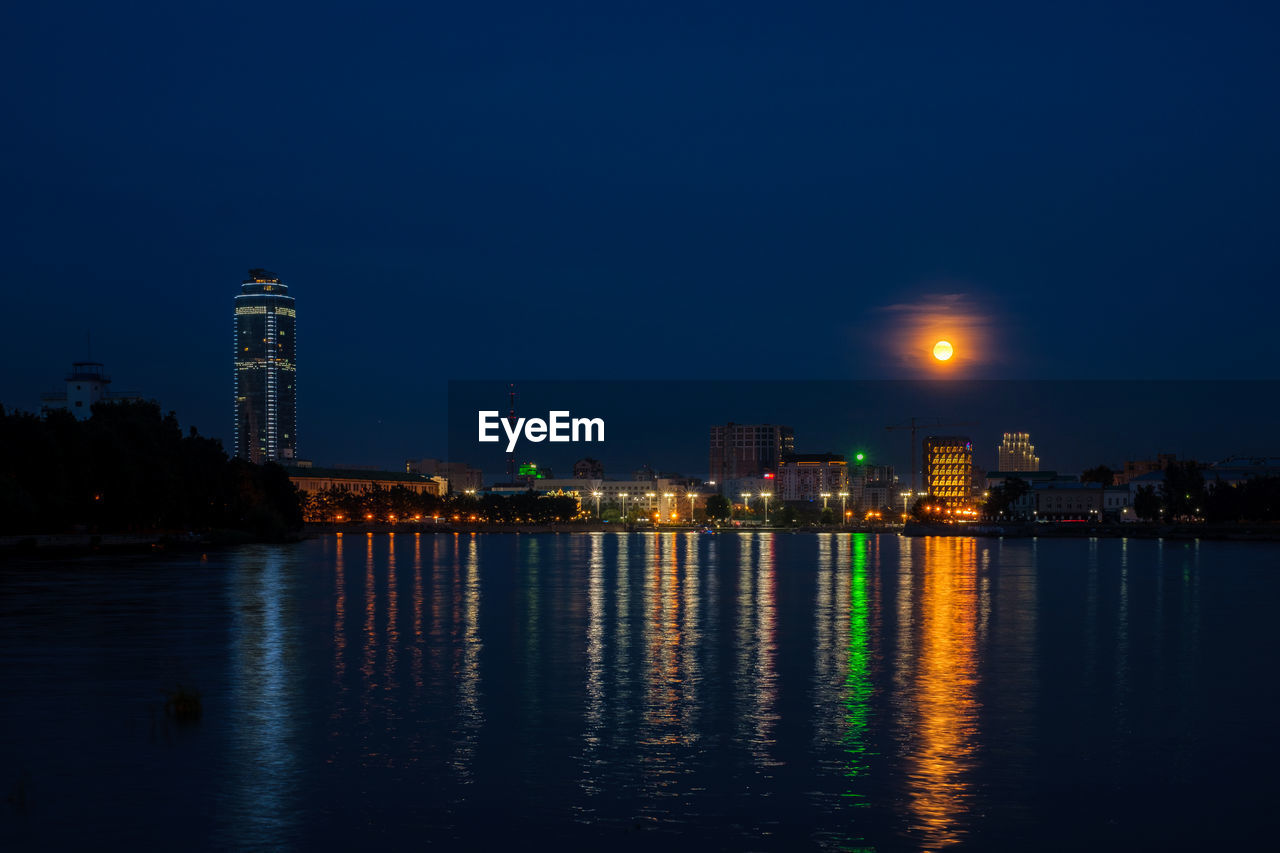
[(129, 469), (1185, 496), (399, 504)]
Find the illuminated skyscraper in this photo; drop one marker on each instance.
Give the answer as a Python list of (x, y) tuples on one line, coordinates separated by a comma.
[(266, 370), (1017, 453), (948, 468)]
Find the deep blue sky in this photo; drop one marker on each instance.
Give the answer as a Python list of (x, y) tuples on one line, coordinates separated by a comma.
[(751, 190)]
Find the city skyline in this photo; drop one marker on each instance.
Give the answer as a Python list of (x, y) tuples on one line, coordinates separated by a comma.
[(776, 193), (655, 468), (1078, 424)]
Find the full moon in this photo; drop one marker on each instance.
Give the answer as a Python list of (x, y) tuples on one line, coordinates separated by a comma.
[(942, 350)]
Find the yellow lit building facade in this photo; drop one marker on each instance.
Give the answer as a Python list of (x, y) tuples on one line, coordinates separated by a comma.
[(948, 468)]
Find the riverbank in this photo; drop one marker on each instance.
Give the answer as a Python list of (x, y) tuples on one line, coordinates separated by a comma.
[(314, 530), (1082, 530), (1013, 530)]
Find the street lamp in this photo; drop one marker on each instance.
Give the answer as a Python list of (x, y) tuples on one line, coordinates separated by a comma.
[(692, 498), (766, 496), (824, 497), (844, 496), (623, 495), (596, 495), (650, 496), (746, 502)]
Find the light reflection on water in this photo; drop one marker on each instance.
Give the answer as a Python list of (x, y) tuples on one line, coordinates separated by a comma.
[(753, 690), (941, 725), (263, 690), (469, 716)]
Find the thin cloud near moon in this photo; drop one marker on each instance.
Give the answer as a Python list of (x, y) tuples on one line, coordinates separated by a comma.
[(913, 328)]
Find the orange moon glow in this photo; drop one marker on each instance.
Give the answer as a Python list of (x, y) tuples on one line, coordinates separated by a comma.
[(943, 350)]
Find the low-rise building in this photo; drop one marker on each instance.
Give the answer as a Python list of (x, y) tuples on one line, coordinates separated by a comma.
[(807, 476), (880, 495), (86, 384), (1240, 469), (461, 477), (313, 480), (588, 469), (1032, 478), (1135, 468), (1075, 501)]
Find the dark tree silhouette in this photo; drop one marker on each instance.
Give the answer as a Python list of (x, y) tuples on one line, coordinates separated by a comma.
[(129, 469)]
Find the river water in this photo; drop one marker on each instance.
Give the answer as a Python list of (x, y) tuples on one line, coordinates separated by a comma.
[(739, 691)]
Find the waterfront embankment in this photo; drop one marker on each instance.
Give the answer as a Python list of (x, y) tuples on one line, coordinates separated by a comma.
[(1085, 530)]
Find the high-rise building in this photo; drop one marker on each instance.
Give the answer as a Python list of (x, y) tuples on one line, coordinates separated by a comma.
[(1017, 453), (948, 468), (266, 370), (748, 450)]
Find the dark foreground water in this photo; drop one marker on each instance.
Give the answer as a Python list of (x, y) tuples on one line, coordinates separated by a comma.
[(641, 691)]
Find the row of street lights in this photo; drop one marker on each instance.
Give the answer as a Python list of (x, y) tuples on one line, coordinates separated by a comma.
[(844, 498), (746, 503), (692, 496)]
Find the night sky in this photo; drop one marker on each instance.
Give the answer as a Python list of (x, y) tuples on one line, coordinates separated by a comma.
[(642, 191)]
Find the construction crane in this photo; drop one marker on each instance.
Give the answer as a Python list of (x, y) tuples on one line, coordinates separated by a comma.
[(924, 423)]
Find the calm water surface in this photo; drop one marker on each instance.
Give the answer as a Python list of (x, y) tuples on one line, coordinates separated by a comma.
[(740, 691)]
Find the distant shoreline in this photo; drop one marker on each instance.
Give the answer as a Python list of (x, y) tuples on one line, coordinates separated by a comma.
[(72, 545), (1019, 530)]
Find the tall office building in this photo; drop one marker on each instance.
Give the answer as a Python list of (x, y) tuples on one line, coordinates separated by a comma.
[(748, 450), (266, 370), (948, 468), (1017, 453)]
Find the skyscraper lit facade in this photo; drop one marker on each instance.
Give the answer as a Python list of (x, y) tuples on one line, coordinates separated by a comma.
[(265, 370), (948, 468), (1017, 453)]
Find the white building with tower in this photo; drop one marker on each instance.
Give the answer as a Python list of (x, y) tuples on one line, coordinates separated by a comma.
[(87, 383)]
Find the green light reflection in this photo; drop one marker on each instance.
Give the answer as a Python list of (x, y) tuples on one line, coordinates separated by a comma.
[(858, 678)]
